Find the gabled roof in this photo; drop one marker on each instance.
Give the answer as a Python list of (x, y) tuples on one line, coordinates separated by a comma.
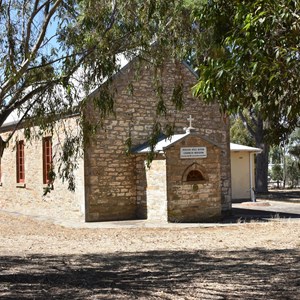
[(163, 142), (15, 117), (166, 142), (238, 147), (123, 63)]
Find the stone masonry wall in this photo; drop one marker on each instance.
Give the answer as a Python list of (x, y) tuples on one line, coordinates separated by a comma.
[(29, 198), (194, 201), (141, 187), (110, 175), (157, 205)]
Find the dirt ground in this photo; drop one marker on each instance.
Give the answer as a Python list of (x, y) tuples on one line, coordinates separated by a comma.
[(256, 260)]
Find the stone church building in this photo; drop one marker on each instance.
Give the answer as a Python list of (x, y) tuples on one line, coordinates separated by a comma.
[(189, 177)]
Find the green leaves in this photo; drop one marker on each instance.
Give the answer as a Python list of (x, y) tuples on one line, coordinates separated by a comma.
[(177, 96), (54, 53), (258, 62)]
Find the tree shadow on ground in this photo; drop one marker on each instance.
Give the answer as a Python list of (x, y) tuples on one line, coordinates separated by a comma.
[(281, 195), (249, 274), (246, 215)]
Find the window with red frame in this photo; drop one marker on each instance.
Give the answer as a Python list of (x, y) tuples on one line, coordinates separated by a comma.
[(20, 162), (47, 160)]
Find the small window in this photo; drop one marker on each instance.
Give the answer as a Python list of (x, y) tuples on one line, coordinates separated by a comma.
[(20, 162), (47, 160), (194, 175)]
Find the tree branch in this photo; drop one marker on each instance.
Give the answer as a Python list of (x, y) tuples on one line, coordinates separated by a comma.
[(11, 81), (247, 125), (29, 23), (10, 39), (23, 117)]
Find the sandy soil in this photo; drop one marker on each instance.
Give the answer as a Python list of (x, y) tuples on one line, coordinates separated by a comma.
[(40, 260)]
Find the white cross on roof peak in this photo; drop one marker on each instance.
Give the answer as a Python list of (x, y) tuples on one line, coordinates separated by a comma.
[(190, 119), (190, 128)]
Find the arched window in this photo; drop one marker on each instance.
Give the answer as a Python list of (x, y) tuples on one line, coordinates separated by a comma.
[(194, 175)]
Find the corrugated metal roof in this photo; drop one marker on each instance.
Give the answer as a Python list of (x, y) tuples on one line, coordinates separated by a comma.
[(238, 147), (163, 142)]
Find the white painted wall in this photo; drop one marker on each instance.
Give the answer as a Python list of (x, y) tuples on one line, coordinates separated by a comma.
[(240, 174)]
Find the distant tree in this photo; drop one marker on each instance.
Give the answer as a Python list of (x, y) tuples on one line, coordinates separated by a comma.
[(294, 146), (254, 65), (292, 172), (239, 133), (287, 157), (277, 173), (276, 154), (293, 162)]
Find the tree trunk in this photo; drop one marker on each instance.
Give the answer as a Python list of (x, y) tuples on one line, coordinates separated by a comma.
[(261, 175)]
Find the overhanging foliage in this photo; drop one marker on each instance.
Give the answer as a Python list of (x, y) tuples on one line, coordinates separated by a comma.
[(255, 60)]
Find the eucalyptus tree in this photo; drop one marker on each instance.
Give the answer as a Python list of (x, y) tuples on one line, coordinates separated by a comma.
[(254, 65), (44, 42), (53, 52)]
